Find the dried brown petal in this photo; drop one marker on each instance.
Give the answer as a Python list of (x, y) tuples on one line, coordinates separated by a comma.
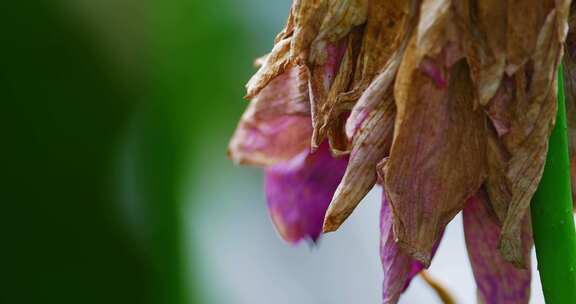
[(371, 144), (273, 65), (525, 21), (387, 27), (437, 159), (308, 17), (325, 77), (534, 111), (498, 186), (484, 24), (341, 17)]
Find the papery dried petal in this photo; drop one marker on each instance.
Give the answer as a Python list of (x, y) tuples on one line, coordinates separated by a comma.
[(437, 158), (331, 116), (276, 125), (322, 78), (434, 27), (274, 65), (525, 21), (534, 112), (373, 96), (387, 27), (371, 144), (340, 18), (483, 25), (308, 17), (384, 51), (498, 186), (299, 191), (498, 281)]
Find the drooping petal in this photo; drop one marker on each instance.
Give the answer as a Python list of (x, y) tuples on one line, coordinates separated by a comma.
[(370, 144), (534, 112), (399, 268), (437, 159), (299, 191), (276, 125), (498, 281)]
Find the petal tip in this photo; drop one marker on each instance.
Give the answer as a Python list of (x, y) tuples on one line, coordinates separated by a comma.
[(511, 251), (331, 224), (419, 255)]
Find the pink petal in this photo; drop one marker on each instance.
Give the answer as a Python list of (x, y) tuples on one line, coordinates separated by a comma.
[(299, 191), (399, 268), (498, 281)]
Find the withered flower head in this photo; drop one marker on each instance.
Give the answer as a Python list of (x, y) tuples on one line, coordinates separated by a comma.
[(448, 104)]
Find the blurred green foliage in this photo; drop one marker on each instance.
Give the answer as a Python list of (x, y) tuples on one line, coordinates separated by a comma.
[(96, 146)]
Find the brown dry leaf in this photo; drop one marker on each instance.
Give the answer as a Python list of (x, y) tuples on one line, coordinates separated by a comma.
[(437, 160), (371, 143)]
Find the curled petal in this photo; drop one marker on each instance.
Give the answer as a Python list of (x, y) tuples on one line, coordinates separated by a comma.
[(371, 144), (399, 268), (340, 18), (276, 125), (527, 141), (332, 74), (272, 65), (299, 191), (498, 281)]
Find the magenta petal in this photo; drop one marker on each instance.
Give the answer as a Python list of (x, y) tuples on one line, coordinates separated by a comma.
[(399, 268), (498, 281), (299, 192)]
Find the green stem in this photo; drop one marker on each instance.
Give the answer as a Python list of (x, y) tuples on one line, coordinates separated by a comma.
[(552, 221)]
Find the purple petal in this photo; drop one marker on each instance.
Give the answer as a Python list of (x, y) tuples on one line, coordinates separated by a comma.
[(299, 192), (498, 281), (399, 268)]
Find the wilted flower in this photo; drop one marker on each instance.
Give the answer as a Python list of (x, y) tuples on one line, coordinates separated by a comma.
[(448, 104)]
